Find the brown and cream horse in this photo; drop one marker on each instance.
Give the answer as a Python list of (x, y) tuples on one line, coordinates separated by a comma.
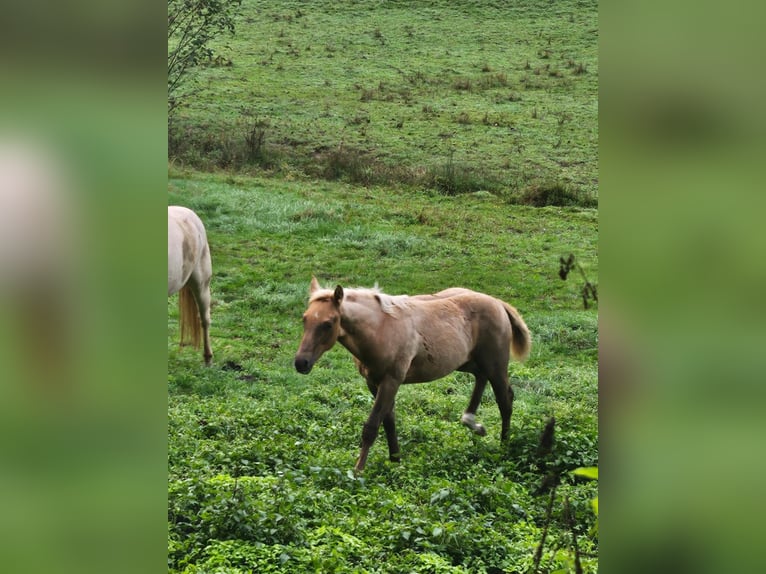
[(398, 340), (189, 273)]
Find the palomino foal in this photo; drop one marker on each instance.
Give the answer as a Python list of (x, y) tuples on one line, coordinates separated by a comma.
[(400, 340)]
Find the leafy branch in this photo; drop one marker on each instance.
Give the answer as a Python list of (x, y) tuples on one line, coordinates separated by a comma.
[(192, 24), (589, 290), (550, 482)]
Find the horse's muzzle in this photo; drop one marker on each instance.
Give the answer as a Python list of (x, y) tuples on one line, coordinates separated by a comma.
[(303, 365)]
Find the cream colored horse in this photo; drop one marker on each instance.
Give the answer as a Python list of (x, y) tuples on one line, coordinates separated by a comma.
[(189, 273), (399, 340)]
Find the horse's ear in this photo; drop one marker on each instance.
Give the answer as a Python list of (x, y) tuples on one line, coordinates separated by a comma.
[(338, 295), (314, 285)]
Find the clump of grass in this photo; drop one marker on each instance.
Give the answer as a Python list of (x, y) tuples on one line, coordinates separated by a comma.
[(223, 146), (417, 78), (345, 162), (532, 82), (556, 194), (462, 84), (464, 118), (358, 120), (385, 93), (356, 166), (496, 120), (497, 80), (255, 136), (453, 178), (580, 69), (485, 82)]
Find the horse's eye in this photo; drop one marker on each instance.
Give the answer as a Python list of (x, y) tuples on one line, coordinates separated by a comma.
[(326, 325)]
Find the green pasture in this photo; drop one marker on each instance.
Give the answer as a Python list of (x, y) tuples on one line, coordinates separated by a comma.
[(457, 96), (260, 457), (417, 145)]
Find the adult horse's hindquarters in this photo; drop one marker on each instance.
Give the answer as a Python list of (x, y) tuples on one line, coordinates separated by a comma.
[(189, 273)]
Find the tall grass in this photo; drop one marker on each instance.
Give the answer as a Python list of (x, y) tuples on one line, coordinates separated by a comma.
[(309, 95)]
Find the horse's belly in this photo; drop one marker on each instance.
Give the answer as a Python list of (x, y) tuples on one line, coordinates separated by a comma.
[(431, 366), (441, 350)]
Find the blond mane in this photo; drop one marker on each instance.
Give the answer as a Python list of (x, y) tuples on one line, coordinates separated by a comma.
[(321, 294), (389, 304)]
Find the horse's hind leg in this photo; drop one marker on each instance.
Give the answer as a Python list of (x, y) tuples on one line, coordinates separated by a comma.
[(389, 425), (200, 282), (204, 312), (469, 415), (504, 398)]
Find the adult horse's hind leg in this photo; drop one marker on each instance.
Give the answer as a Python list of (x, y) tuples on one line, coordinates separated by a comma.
[(204, 313), (469, 415), (200, 283), (389, 425)]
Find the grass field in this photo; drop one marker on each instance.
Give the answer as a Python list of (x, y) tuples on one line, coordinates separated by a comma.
[(404, 144), (457, 96), (260, 456)]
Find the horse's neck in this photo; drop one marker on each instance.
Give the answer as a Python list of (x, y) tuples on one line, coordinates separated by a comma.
[(360, 323)]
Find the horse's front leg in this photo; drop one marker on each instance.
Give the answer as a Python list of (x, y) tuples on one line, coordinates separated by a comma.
[(389, 421), (382, 410), (389, 424)]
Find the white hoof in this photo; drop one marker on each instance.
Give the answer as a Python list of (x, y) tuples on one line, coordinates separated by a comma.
[(469, 420)]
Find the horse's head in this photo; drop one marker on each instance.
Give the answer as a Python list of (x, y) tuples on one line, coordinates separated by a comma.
[(321, 325)]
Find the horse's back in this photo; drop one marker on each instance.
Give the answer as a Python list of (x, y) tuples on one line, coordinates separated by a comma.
[(477, 317), (462, 300), (179, 216)]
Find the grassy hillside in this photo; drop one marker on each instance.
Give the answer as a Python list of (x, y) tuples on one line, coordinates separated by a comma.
[(260, 456), (454, 96), (404, 144)]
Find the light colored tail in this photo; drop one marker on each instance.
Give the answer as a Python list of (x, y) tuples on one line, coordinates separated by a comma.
[(191, 326), (521, 343)]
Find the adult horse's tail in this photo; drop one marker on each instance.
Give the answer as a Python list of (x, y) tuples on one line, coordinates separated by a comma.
[(191, 326), (521, 343)]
